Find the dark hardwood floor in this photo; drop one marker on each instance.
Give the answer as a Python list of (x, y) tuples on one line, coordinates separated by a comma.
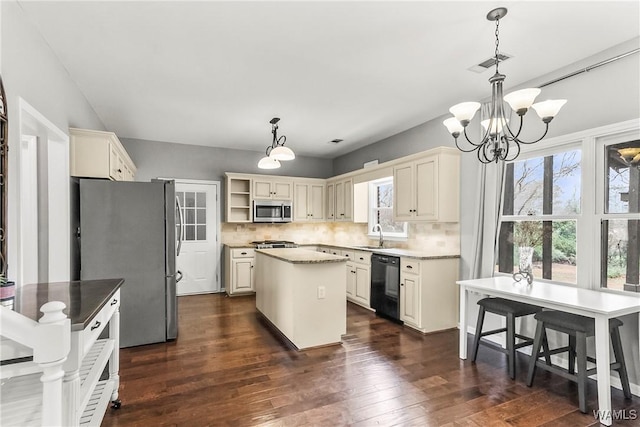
[(228, 369)]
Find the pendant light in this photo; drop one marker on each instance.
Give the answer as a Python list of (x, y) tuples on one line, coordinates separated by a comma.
[(276, 151)]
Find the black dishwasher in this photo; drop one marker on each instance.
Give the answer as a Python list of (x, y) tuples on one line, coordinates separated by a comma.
[(385, 286)]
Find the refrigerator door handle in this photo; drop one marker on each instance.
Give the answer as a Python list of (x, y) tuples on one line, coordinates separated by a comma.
[(180, 225)]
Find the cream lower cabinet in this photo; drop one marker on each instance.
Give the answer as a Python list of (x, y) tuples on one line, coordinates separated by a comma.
[(429, 294), (239, 270), (427, 189), (359, 277)]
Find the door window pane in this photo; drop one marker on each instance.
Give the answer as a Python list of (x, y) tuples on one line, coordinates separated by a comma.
[(201, 199), (190, 199)]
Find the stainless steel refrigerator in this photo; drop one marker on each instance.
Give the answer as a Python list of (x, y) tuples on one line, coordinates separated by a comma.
[(128, 230)]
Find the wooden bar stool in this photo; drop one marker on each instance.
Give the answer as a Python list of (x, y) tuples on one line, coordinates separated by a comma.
[(578, 328), (511, 310)]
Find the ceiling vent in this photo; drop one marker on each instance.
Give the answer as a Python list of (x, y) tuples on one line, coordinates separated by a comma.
[(486, 64), (336, 141)]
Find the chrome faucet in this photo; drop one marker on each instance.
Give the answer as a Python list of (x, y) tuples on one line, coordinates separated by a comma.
[(379, 229)]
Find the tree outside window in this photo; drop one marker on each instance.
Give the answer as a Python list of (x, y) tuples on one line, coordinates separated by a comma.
[(381, 209)]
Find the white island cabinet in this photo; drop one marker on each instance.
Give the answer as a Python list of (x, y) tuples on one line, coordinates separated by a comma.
[(302, 294), (89, 375)]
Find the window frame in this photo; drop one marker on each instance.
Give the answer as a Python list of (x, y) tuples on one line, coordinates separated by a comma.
[(372, 209), (592, 204)]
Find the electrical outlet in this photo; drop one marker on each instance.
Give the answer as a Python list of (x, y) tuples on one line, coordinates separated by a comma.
[(322, 292)]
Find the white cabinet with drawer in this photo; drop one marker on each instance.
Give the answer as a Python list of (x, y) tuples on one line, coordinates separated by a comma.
[(239, 270), (359, 277), (428, 293)]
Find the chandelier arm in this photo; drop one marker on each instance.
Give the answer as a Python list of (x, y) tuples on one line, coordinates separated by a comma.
[(283, 138), (482, 155), (474, 148), (517, 153), (537, 140), (268, 150), (509, 133), (485, 138)]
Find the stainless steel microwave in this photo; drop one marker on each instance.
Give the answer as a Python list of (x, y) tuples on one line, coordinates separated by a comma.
[(272, 211)]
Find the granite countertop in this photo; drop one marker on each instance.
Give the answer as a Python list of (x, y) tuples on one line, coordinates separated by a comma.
[(83, 298), (240, 245), (407, 253), (301, 256)]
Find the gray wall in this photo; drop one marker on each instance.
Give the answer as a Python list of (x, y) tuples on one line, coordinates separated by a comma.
[(30, 70), (605, 95), (154, 158), (163, 159)]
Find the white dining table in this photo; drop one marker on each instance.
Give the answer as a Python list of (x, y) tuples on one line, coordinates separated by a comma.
[(598, 305)]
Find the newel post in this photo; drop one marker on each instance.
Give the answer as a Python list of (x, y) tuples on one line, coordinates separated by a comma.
[(50, 352)]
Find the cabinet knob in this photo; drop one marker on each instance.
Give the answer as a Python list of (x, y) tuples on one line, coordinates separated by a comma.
[(401, 284), (119, 170), (114, 302), (96, 325)]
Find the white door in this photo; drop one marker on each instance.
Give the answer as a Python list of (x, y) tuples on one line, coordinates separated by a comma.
[(198, 259)]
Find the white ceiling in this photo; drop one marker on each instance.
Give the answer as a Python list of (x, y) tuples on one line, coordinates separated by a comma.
[(214, 73)]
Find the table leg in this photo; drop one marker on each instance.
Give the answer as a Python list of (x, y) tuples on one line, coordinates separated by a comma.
[(464, 297), (603, 370)]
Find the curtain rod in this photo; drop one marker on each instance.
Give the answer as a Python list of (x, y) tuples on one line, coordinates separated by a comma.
[(589, 68)]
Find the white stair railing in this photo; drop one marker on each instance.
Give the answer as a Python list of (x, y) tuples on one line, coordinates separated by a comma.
[(50, 339)]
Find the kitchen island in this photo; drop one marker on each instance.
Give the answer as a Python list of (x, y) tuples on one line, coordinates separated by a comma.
[(302, 294)]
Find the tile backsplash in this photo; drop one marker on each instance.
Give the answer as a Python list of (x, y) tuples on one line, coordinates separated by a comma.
[(434, 238)]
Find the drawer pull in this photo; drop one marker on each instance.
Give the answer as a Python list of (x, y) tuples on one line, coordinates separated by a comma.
[(361, 259), (243, 253), (96, 325), (114, 302), (409, 267)]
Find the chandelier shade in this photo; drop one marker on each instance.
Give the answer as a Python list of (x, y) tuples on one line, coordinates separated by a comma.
[(499, 140), (276, 152)]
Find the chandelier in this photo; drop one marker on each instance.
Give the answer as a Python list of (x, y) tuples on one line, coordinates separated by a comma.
[(499, 140), (276, 151)]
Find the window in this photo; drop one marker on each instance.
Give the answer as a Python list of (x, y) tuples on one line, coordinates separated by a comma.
[(194, 215), (576, 201), (381, 210), (541, 204), (620, 219)]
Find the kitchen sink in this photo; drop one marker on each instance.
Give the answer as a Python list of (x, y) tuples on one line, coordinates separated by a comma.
[(369, 247)]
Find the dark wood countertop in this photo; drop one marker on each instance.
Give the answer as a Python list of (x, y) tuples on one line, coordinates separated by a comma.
[(83, 298)]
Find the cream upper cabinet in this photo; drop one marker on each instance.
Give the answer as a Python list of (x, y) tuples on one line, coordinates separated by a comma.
[(309, 200), (238, 192), (98, 154), (427, 189), (344, 200), (276, 189), (331, 201)]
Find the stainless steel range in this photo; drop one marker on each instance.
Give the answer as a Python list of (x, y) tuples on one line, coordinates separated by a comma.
[(272, 244)]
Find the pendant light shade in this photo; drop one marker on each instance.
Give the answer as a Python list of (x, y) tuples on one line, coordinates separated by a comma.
[(282, 153), (268, 163), (276, 151)]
